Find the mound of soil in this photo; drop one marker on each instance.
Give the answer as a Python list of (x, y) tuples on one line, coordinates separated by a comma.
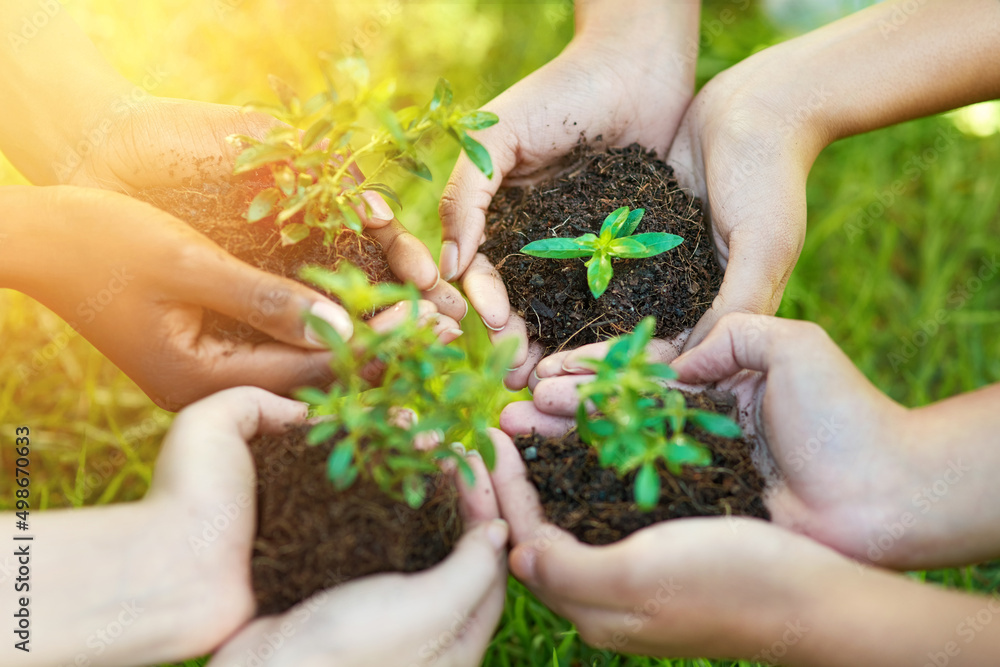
[(311, 537), (552, 294), (596, 506), (218, 209)]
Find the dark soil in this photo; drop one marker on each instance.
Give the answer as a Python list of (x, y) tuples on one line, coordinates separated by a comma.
[(596, 506), (552, 294), (311, 537), (217, 210)]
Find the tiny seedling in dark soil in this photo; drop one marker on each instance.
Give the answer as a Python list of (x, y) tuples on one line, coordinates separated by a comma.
[(647, 452), (315, 165), (639, 420), (615, 240), (556, 299), (360, 491)]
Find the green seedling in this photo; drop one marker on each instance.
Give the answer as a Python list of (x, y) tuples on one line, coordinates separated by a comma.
[(639, 420), (315, 164), (398, 429), (616, 240)]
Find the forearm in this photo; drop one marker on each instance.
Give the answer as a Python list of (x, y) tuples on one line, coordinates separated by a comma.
[(863, 616), (892, 62), (100, 583), (55, 85), (954, 513)]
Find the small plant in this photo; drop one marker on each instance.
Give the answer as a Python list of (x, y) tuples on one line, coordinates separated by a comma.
[(314, 165), (447, 397), (634, 410), (615, 240)]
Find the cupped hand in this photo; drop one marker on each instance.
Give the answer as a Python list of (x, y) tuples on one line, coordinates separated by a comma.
[(202, 505), (162, 142), (685, 588), (135, 282), (442, 617), (611, 83)]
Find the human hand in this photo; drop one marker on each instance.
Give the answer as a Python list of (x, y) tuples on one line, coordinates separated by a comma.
[(135, 282), (685, 588), (161, 142), (626, 76), (120, 581), (443, 617)]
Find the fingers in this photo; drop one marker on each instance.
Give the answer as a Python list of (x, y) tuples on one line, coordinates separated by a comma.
[(759, 264), (210, 436), (574, 362), (478, 501), (208, 276), (487, 293), (524, 417), (448, 299), (467, 195), (738, 342), (558, 396), (523, 375), (409, 259), (517, 497)]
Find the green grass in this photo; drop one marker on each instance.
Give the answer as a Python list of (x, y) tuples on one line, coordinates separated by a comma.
[(96, 435)]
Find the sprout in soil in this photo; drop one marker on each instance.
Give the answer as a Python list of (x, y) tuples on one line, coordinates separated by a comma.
[(444, 395), (639, 420), (614, 240), (313, 162)]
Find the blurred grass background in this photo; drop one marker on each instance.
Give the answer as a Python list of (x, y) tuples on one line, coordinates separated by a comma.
[(873, 273)]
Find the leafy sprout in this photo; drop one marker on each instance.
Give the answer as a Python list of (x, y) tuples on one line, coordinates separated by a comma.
[(639, 420), (314, 160), (446, 396), (615, 240)]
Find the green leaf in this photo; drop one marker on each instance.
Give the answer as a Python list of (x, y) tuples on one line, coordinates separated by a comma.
[(257, 156), (414, 166), (442, 95), (293, 233), (662, 371), (263, 204), (647, 487), (599, 274), (285, 93), (316, 132), (322, 432), (644, 245), (315, 103), (392, 125), (558, 248), (351, 219), (356, 69), (682, 450), (601, 427), (414, 490), (478, 154), (311, 395), (478, 120), (339, 466), (631, 223), (717, 424), (385, 191), (614, 221)]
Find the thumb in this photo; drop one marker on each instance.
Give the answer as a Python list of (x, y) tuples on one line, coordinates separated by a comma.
[(468, 193), (739, 341), (272, 304), (759, 265)]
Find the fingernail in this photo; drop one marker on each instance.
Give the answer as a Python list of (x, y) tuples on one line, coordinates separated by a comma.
[(474, 454), (574, 370), (333, 316), (466, 310), (496, 533), (449, 260), (534, 374), (455, 332), (458, 448), (379, 209), (487, 325)]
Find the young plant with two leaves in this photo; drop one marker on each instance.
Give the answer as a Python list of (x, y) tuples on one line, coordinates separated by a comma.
[(616, 240), (397, 429), (639, 421), (314, 157)]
